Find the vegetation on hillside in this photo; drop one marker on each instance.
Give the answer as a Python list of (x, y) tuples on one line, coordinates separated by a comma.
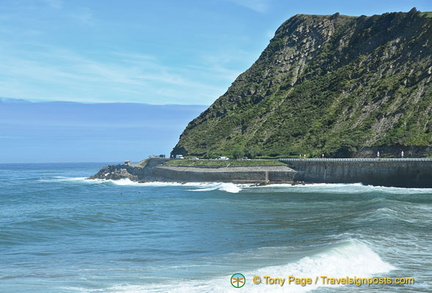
[(326, 84), (222, 163)]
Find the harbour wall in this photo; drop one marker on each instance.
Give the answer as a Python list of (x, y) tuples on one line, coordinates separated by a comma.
[(384, 172), (381, 172), (155, 170), (255, 175)]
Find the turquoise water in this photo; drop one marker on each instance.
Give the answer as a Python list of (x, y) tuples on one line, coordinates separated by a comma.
[(62, 233)]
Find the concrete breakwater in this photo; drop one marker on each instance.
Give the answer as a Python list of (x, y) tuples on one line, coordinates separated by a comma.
[(380, 172), (155, 170), (384, 172), (254, 175)]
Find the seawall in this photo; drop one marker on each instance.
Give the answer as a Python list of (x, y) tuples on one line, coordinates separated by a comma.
[(254, 175), (154, 170), (384, 172)]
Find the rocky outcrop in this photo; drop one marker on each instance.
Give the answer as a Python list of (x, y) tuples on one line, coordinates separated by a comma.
[(140, 172), (327, 84), (117, 172)]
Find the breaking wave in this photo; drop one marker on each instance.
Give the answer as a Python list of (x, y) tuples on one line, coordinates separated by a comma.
[(350, 258), (199, 186), (342, 188)]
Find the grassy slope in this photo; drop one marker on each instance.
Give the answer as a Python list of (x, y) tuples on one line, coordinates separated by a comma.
[(220, 163), (366, 84)]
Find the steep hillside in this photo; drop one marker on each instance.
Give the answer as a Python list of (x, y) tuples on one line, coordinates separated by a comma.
[(326, 84)]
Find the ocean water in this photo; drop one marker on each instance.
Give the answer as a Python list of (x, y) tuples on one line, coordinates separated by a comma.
[(60, 232)]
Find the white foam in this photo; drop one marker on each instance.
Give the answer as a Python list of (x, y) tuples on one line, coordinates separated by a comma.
[(72, 179), (344, 188), (334, 188), (227, 187), (201, 186), (351, 188), (125, 182), (348, 259), (399, 190), (230, 187)]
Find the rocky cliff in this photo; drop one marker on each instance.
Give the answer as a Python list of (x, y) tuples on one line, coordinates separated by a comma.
[(335, 84)]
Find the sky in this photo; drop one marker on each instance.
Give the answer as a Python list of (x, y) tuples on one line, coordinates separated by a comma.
[(143, 51), (111, 80), (55, 132)]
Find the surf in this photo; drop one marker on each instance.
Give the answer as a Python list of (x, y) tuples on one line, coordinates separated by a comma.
[(350, 258)]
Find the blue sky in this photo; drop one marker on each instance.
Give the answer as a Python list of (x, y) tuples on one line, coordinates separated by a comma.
[(89, 132), (142, 51)]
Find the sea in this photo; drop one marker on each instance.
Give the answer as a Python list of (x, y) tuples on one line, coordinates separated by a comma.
[(61, 232)]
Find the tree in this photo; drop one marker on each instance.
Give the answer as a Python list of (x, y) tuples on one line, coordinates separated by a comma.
[(252, 152), (238, 152)]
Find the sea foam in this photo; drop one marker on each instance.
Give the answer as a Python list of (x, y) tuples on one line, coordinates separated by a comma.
[(352, 258), (71, 180), (227, 187), (200, 186), (342, 188), (335, 188)]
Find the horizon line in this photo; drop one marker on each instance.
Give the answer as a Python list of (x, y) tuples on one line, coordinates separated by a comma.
[(38, 101)]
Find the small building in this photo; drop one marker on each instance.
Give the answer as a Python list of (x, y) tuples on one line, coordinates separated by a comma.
[(127, 162)]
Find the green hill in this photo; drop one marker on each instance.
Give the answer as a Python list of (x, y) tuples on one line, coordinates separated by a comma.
[(339, 85)]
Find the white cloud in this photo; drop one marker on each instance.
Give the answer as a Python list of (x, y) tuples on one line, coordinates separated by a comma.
[(33, 68), (59, 74)]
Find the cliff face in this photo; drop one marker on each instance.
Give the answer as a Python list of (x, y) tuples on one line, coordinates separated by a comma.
[(326, 84)]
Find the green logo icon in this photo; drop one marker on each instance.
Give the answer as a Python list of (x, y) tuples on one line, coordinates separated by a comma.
[(238, 280)]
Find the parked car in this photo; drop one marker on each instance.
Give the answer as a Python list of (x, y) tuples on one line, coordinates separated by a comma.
[(223, 158)]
